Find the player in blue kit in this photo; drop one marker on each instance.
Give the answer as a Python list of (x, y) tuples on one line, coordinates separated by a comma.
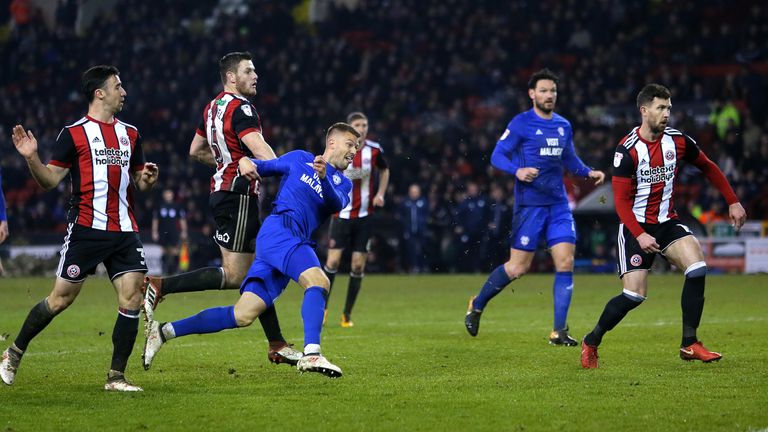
[(312, 189), (535, 148)]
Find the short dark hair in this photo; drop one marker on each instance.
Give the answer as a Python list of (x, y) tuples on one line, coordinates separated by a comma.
[(229, 63), (94, 79), (651, 91), (342, 127), (356, 115), (544, 74)]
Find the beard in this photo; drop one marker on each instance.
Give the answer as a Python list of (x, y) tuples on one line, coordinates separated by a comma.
[(543, 108), (245, 89)]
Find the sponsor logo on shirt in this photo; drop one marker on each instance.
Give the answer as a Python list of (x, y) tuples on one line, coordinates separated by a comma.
[(110, 156)]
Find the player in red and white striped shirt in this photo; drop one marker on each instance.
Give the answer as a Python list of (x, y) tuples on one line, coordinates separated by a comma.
[(645, 165), (353, 227), (103, 157), (229, 130)]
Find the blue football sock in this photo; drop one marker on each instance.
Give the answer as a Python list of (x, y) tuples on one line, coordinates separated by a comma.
[(312, 311), (562, 290), (496, 282), (208, 321)]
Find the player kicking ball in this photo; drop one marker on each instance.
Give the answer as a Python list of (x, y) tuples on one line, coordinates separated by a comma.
[(313, 188)]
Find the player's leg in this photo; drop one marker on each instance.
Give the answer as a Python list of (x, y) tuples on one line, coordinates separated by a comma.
[(304, 267), (633, 271), (338, 233), (129, 297), (562, 291), (355, 281), (63, 294), (527, 226), (81, 252), (261, 287), (561, 240), (361, 244), (686, 254)]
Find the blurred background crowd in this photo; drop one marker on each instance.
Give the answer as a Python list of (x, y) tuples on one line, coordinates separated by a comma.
[(439, 80)]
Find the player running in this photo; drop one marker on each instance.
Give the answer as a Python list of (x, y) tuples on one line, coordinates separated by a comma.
[(535, 148), (230, 129), (312, 189), (645, 164)]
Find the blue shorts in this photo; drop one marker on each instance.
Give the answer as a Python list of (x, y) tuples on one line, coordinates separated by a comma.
[(280, 257), (529, 222)]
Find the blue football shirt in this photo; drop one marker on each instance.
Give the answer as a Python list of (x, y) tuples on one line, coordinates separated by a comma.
[(547, 144), (306, 198)]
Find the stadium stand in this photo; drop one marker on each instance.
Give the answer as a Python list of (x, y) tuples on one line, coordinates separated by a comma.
[(438, 79)]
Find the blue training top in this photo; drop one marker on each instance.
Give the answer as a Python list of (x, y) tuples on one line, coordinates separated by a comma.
[(308, 199), (2, 199), (534, 142)]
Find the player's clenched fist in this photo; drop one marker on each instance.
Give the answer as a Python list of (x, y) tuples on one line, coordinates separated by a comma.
[(319, 165), (248, 169)]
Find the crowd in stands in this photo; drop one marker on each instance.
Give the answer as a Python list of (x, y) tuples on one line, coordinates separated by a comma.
[(439, 80)]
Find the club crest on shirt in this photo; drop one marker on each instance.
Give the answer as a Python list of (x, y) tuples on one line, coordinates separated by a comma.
[(669, 155), (617, 157), (561, 131), (246, 110), (123, 141), (73, 271), (336, 179)]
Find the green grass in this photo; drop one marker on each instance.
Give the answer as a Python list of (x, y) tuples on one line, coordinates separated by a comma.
[(408, 363)]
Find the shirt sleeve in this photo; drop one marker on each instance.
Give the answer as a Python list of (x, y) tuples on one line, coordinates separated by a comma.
[(201, 128), (571, 161), (64, 152), (623, 165), (335, 198), (245, 120), (692, 150), (381, 161), (3, 215), (504, 155), (137, 158), (274, 167)]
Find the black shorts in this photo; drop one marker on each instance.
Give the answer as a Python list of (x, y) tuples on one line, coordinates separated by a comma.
[(632, 258), (237, 220), (351, 232), (84, 248), (169, 239)]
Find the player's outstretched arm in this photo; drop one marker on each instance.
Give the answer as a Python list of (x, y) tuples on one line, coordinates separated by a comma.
[(271, 168), (47, 176)]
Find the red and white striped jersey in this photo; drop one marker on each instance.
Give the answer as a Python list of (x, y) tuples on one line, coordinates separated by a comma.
[(651, 167), (225, 121), (361, 171), (100, 158)]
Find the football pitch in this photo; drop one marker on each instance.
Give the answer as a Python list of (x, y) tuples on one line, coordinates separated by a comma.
[(408, 363)]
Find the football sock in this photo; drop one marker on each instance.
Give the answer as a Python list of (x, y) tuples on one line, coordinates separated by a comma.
[(692, 302), (615, 310), (271, 326), (123, 337), (562, 290), (355, 279), (37, 319), (496, 282), (208, 321), (206, 278), (331, 274), (312, 309)]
